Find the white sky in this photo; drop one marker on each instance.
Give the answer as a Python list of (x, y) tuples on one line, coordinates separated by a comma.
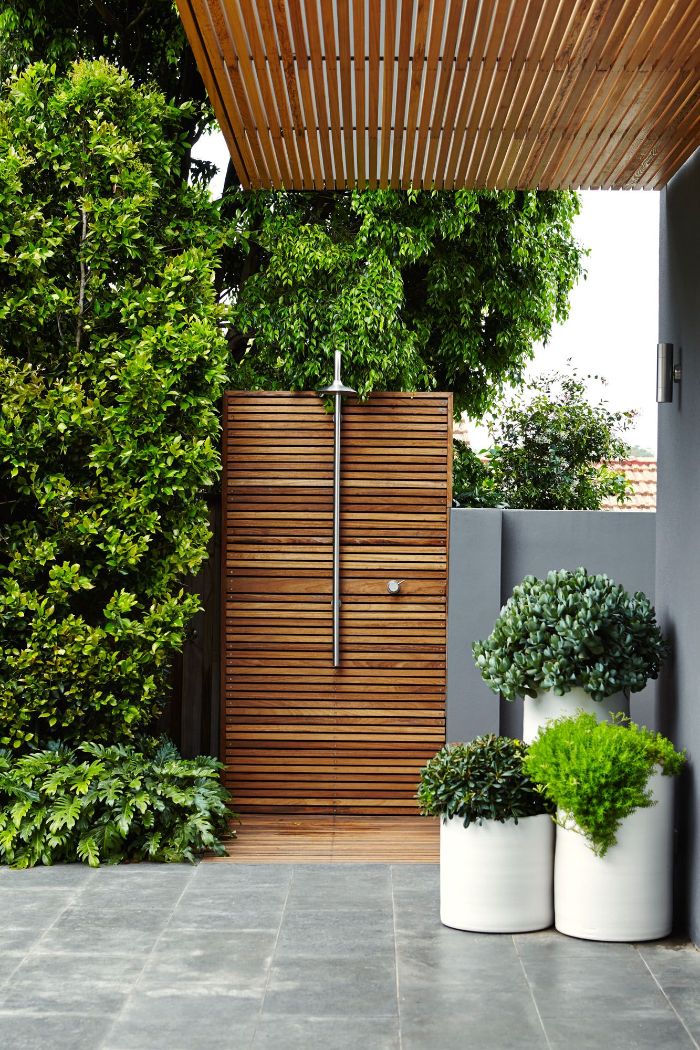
[(613, 324)]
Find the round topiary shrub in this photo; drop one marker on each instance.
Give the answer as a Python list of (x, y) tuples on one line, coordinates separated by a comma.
[(480, 780), (572, 629)]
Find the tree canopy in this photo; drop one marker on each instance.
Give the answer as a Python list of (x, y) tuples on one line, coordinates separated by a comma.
[(423, 290)]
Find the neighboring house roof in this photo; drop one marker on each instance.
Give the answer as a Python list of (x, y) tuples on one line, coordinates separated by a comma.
[(642, 474)]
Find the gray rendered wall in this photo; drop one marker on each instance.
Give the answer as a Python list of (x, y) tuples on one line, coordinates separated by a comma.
[(490, 552), (678, 548)]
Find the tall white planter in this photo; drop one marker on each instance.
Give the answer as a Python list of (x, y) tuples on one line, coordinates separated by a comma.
[(538, 710), (497, 878), (627, 894)]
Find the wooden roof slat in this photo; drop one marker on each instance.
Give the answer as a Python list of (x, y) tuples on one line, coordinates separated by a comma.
[(388, 89), (348, 117), (430, 76), (359, 64), (273, 96), (237, 148), (373, 97), (318, 82), (473, 69), (447, 68), (498, 105), (418, 48), (329, 52), (291, 80), (225, 16), (450, 93)]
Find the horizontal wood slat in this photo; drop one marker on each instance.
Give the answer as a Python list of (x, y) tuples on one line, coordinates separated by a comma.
[(333, 840), (297, 734), (321, 94)]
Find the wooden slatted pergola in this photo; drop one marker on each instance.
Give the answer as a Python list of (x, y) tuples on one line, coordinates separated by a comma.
[(452, 93)]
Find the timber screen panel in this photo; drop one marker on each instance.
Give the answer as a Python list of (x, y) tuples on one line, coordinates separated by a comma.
[(297, 734)]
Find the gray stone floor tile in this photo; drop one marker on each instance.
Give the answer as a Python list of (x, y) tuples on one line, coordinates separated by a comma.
[(684, 997), (674, 961), (34, 910), (63, 983), (417, 913), (211, 908), (416, 877), (184, 1022), (440, 1019), (34, 1031), (633, 1029), (355, 885), (132, 931), (155, 891), (68, 875), (332, 987), (243, 876), (454, 958), (18, 941), (348, 932), (217, 919), (185, 961), (315, 1033)]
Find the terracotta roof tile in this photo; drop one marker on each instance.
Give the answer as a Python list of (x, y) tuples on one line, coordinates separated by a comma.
[(642, 474)]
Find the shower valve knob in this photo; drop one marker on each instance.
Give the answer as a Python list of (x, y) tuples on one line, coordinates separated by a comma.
[(394, 586)]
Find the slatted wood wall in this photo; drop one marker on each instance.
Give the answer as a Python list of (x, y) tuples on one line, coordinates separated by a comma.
[(297, 734)]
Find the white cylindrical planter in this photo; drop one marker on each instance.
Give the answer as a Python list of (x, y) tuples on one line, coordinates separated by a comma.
[(539, 710), (497, 878), (627, 894)]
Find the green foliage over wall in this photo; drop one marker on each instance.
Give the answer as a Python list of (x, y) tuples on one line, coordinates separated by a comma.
[(111, 362), (422, 290), (105, 804)]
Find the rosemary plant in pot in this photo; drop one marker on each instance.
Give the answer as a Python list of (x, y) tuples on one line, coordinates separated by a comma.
[(496, 837), (612, 783), (573, 641)]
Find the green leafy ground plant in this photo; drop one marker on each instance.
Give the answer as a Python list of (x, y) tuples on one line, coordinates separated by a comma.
[(106, 804), (572, 629), (483, 779), (597, 773)]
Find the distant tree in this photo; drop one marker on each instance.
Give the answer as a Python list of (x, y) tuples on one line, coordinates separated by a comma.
[(552, 450), (640, 452)]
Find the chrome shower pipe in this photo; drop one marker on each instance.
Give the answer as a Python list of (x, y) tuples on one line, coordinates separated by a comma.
[(336, 390)]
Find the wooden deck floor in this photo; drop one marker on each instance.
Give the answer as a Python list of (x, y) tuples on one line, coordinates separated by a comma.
[(334, 840)]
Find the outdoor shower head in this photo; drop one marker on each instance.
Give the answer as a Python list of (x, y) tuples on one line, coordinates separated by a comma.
[(337, 386)]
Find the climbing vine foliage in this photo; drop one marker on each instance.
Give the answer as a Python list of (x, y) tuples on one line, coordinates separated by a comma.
[(111, 362)]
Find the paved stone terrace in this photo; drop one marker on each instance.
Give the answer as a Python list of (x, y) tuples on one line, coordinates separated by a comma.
[(311, 957)]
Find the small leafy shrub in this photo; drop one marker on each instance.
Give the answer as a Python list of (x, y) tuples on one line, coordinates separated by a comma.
[(596, 773), (105, 804), (571, 629), (481, 780)]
